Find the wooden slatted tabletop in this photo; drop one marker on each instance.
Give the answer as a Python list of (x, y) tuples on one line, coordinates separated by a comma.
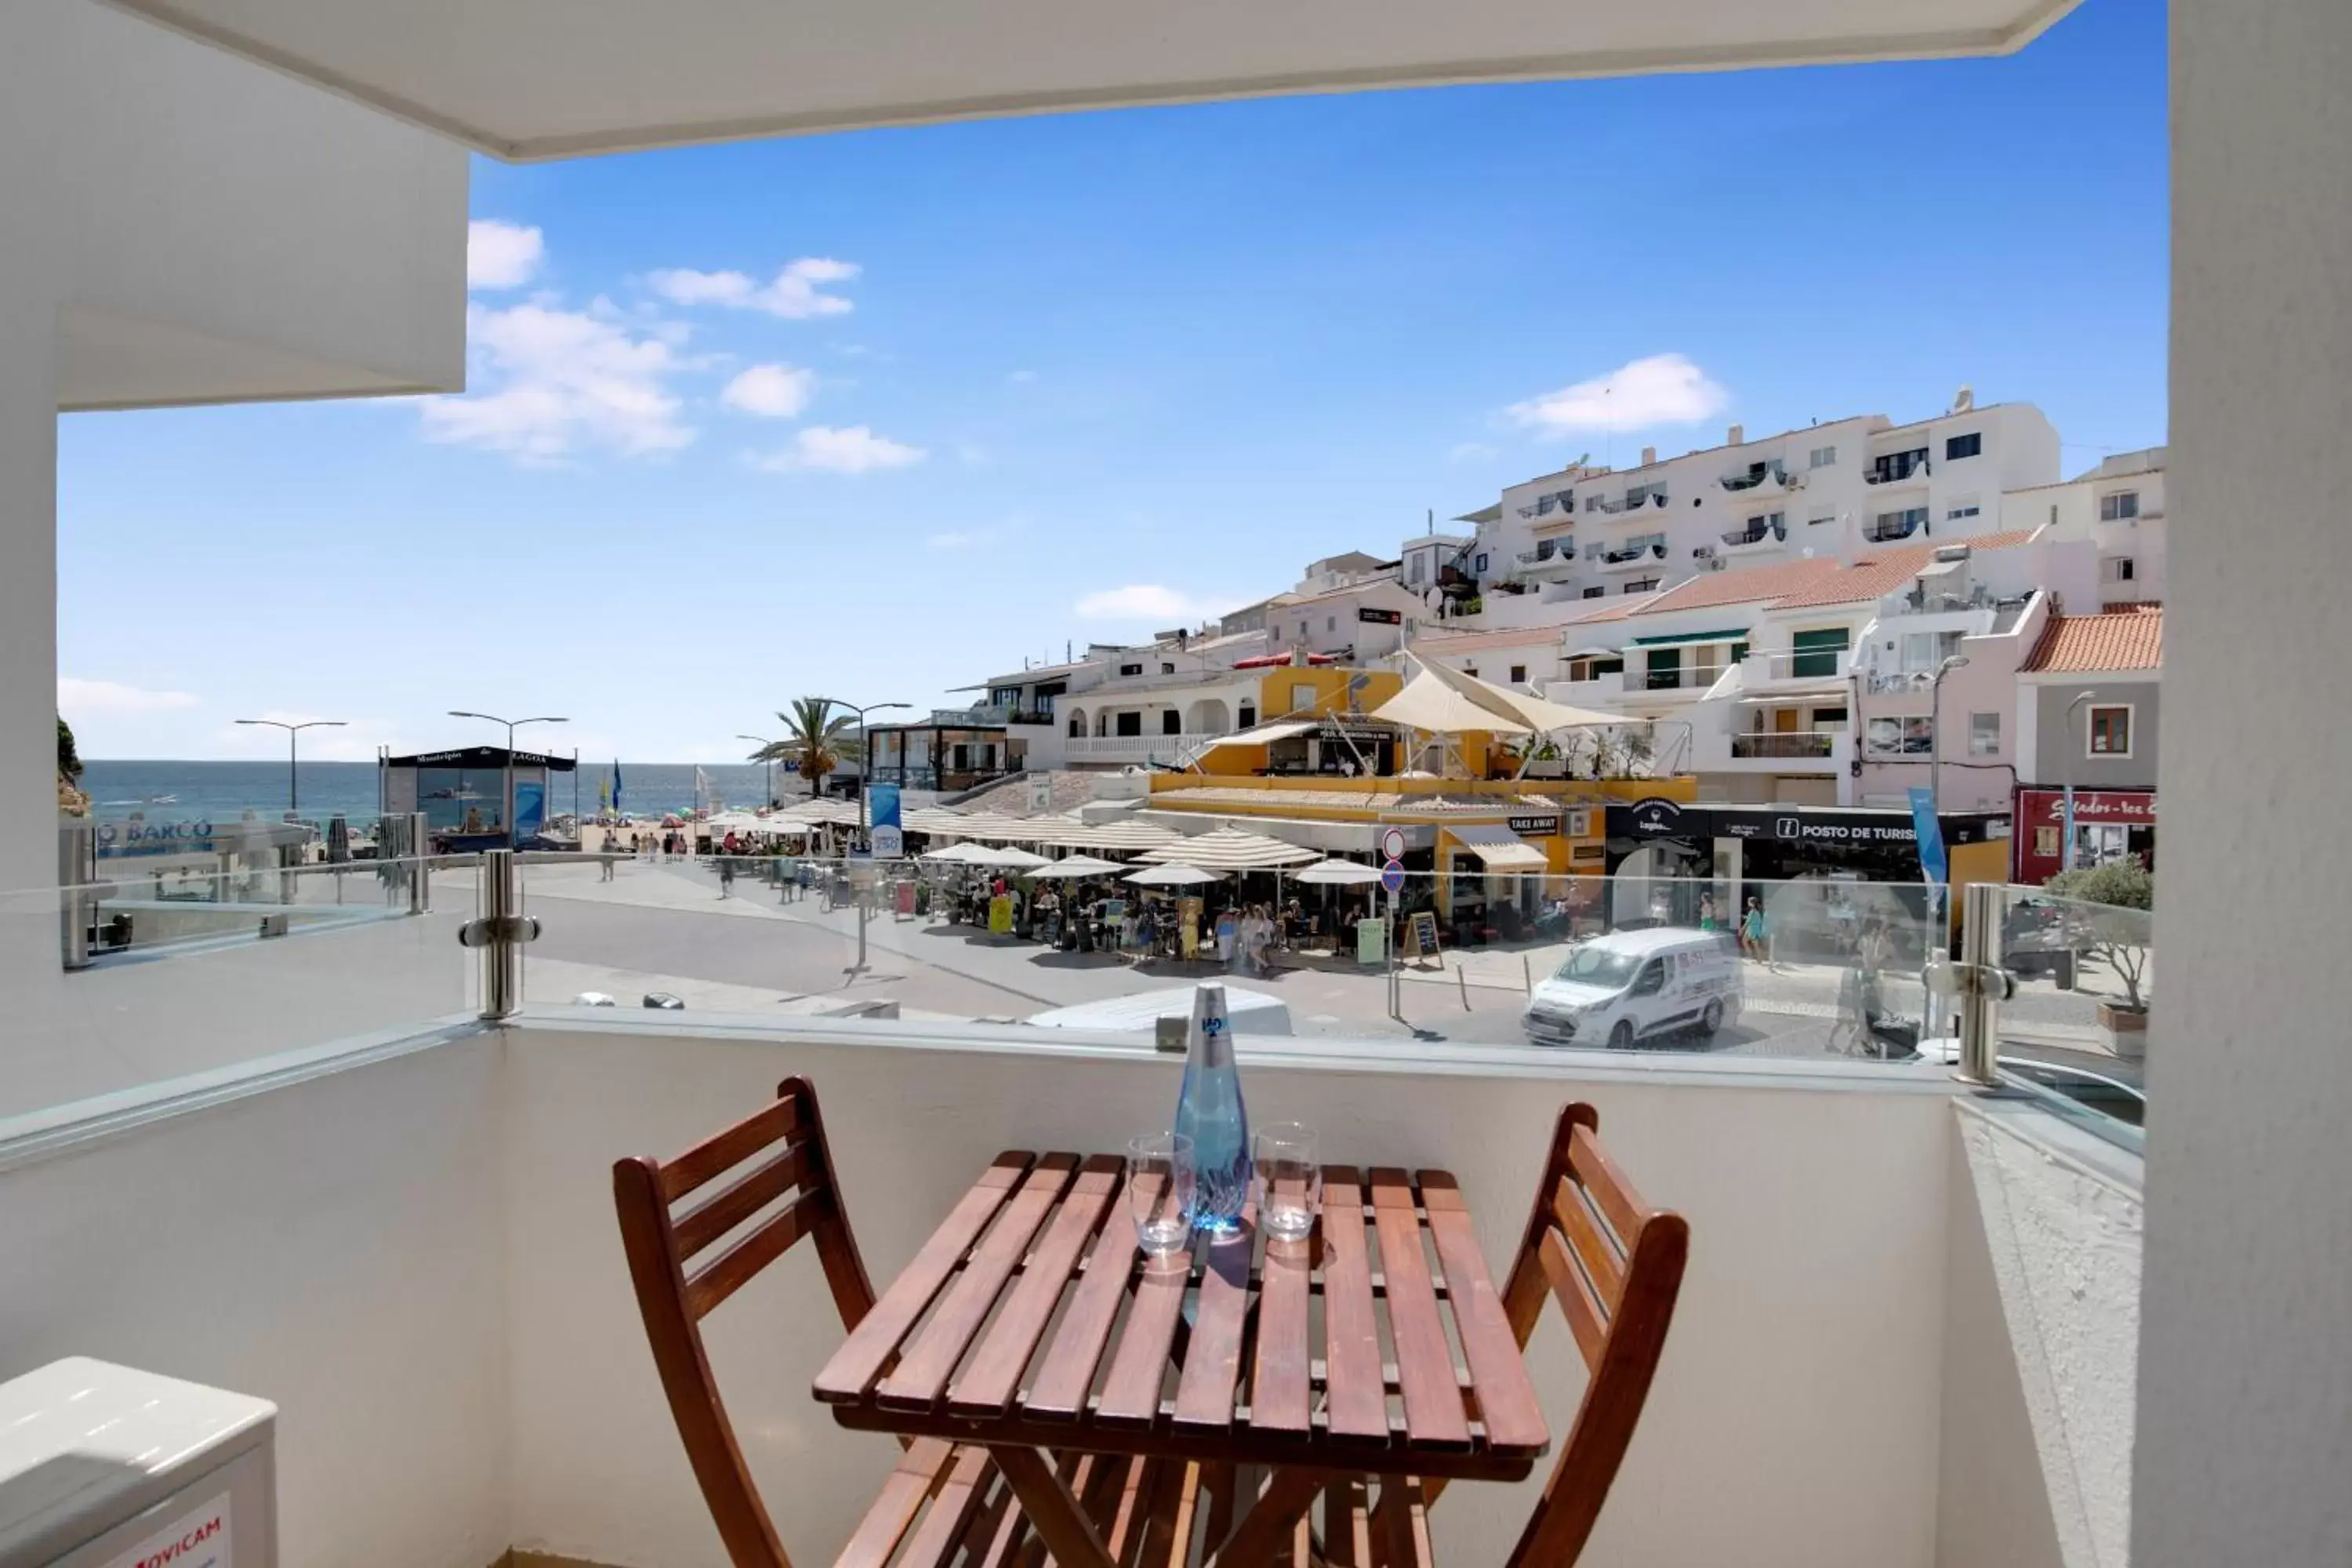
[(1032, 1319)]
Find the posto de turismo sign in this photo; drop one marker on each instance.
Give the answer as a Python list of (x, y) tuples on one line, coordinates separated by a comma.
[(1657, 818)]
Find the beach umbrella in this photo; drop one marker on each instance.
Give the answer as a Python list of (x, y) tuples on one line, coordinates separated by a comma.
[(1010, 858), (339, 839), (1119, 834), (956, 855), (1337, 873), (1171, 876), (1075, 866)]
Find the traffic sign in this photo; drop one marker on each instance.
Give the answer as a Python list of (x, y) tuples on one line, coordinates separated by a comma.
[(1393, 844), (1393, 876)]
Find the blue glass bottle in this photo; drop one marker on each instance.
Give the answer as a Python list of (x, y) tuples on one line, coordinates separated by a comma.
[(1209, 1110)]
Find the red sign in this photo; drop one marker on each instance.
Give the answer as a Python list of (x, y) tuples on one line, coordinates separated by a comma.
[(2042, 820), (2134, 808)]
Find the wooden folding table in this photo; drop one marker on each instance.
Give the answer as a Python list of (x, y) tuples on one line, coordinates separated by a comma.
[(1031, 1325)]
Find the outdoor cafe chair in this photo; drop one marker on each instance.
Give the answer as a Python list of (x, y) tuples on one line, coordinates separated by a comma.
[(663, 1242)]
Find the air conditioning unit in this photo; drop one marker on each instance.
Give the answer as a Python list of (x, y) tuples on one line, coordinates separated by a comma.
[(1716, 566), (1704, 552)]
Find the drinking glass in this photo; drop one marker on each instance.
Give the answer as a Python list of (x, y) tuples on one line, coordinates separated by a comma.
[(1289, 1178), (1160, 1181)]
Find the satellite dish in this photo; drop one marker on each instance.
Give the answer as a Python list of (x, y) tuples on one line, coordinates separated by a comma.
[(1963, 400)]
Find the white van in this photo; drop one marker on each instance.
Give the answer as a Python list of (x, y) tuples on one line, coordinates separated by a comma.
[(1635, 987)]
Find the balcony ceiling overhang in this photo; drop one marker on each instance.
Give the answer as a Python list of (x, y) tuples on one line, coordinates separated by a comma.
[(550, 78)]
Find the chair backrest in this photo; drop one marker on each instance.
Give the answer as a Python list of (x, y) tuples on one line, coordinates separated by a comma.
[(1615, 1266), (760, 1211)]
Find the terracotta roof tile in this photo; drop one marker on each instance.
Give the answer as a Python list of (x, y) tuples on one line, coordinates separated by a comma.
[(2122, 638), (1875, 575)]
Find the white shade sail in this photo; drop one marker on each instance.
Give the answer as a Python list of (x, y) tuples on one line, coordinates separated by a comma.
[(1128, 835), (956, 855), (1171, 876), (1534, 714), (1230, 849), (1008, 858), (1337, 874), (1431, 704), (1074, 866)]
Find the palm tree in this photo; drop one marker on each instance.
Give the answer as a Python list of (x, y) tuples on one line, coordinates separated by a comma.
[(816, 741)]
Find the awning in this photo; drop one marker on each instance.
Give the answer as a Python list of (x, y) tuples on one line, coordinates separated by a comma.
[(1801, 694), (1684, 639), (1264, 734), (1230, 849), (1507, 713), (1497, 847), (1598, 653)]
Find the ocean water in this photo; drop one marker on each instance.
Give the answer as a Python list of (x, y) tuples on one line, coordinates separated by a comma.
[(223, 792)]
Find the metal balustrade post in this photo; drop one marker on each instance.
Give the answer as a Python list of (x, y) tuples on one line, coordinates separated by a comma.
[(77, 900), (499, 931), (419, 849)]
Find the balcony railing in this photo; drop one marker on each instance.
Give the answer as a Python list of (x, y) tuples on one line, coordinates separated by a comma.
[(1786, 744), (1756, 534), (1897, 467), (1888, 528), (1629, 555), (1163, 748)]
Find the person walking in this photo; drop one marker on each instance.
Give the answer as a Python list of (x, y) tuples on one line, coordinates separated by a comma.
[(1754, 935)]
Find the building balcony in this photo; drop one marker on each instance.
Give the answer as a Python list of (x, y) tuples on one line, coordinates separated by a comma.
[(1540, 565), (1785, 745), (446, 1320), (1814, 666), (1897, 468), (1765, 477), (1887, 529), (1754, 540), (1167, 750), (1629, 558)]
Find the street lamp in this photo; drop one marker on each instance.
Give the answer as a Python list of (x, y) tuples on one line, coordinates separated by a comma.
[(865, 818), (505, 812), (1936, 728), (765, 743), (2066, 820), (293, 732)]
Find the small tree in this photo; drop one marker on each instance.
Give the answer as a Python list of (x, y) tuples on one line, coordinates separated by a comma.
[(816, 741), (2109, 916)]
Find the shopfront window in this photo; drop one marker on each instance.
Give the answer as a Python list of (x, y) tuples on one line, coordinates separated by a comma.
[(462, 800), (1901, 737)]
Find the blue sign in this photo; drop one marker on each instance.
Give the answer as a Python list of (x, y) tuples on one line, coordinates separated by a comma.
[(882, 801), (1393, 876), (531, 807), (1933, 863)]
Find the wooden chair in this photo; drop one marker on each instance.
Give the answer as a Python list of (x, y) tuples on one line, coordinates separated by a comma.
[(1615, 1266), (956, 1482)]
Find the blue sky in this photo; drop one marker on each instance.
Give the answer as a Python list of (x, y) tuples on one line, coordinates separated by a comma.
[(878, 415)]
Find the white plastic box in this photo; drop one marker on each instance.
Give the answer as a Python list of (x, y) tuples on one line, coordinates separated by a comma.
[(108, 1466)]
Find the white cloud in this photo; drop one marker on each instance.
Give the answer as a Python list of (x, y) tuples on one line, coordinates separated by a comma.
[(502, 255), (560, 381), (1140, 601), (355, 741), (79, 699), (770, 391), (854, 450), (1664, 389), (1022, 377), (964, 539), (1470, 452), (796, 294)]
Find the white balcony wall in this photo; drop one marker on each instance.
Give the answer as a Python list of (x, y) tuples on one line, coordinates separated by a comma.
[(417, 1259), (337, 1246), (184, 226)]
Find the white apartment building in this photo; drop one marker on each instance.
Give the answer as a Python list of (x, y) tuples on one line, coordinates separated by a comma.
[(1827, 490), (2119, 506), (1812, 682)]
